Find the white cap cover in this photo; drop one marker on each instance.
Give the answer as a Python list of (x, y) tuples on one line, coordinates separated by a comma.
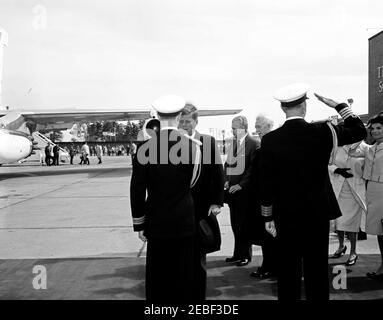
[(292, 94), (169, 104)]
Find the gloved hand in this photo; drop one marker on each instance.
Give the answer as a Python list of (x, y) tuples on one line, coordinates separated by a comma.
[(343, 172)]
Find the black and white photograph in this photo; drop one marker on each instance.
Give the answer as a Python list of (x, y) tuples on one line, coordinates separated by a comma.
[(191, 153)]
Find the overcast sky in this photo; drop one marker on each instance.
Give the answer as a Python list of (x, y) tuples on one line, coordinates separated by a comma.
[(217, 53)]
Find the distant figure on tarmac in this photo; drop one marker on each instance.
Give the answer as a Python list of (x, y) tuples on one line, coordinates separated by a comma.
[(85, 154), (56, 155), (133, 150), (72, 153), (99, 153), (48, 154)]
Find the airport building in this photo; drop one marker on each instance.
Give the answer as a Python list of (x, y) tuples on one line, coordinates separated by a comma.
[(375, 74)]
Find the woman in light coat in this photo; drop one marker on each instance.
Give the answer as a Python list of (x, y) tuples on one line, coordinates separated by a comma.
[(373, 174), (350, 189)]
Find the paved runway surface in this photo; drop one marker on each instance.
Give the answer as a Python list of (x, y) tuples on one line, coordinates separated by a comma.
[(75, 221)]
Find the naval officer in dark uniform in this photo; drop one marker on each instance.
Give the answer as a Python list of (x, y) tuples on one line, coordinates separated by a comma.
[(207, 193), (297, 198), (165, 169)]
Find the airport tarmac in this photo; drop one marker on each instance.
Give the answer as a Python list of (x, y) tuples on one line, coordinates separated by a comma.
[(76, 222)]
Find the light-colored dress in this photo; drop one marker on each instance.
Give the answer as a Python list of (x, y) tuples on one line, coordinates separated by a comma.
[(373, 173), (350, 192)]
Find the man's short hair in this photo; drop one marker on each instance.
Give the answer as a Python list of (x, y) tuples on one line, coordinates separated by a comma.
[(376, 119), (243, 121), (265, 120), (190, 109)]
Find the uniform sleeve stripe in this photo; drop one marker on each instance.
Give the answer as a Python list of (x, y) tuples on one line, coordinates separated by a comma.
[(140, 220), (267, 211), (346, 112)]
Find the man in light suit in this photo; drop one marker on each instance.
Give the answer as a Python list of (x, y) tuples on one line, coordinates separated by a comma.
[(296, 196), (238, 174), (207, 193)]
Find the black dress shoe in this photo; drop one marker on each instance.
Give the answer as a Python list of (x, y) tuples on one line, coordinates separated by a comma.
[(373, 275), (340, 253), (232, 259), (242, 262), (256, 274), (351, 261), (267, 275), (362, 235)]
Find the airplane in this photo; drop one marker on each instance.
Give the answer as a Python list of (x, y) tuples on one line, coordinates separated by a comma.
[(17, 126)]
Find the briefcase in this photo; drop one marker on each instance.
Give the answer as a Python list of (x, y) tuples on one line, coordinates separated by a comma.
[(210, 234)]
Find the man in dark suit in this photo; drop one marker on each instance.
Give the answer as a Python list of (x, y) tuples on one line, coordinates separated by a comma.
[(48, 152), (207, 193), (256, 226), (56, 155), (238, 173), (297, 198), (165, 168)]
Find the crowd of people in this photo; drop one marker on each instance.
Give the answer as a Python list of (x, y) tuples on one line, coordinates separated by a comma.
[(52, 152), (283, 189)]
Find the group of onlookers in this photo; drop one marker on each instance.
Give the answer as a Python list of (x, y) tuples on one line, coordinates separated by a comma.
[(52, 152)]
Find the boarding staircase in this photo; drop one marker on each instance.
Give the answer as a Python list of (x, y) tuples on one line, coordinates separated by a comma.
[(40, 142)]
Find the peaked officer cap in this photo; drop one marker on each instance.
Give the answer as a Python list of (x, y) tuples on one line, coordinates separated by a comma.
[(292, 95), (169, 104)]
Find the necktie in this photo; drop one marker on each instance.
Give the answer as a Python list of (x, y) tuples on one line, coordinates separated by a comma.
[(235, 148)]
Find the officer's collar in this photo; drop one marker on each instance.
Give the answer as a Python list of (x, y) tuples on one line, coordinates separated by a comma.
[(294, 118), (169, 128)]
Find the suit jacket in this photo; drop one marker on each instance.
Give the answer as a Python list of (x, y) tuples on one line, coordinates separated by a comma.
[(294, 169), (209, 188), (168, 209), (238, 170)]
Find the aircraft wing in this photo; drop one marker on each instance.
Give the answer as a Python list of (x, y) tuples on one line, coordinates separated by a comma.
[(45, 117)]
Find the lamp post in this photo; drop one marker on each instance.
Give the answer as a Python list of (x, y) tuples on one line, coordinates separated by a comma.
[(3, 44), (223, 142)]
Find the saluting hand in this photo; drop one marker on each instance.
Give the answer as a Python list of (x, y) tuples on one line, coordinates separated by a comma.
[(141, 236), (235, 188), (331, 103), (270, 228)]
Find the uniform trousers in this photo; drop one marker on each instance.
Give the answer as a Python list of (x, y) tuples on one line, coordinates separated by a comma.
[(169, 269), (303, 251), (269, 253)]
